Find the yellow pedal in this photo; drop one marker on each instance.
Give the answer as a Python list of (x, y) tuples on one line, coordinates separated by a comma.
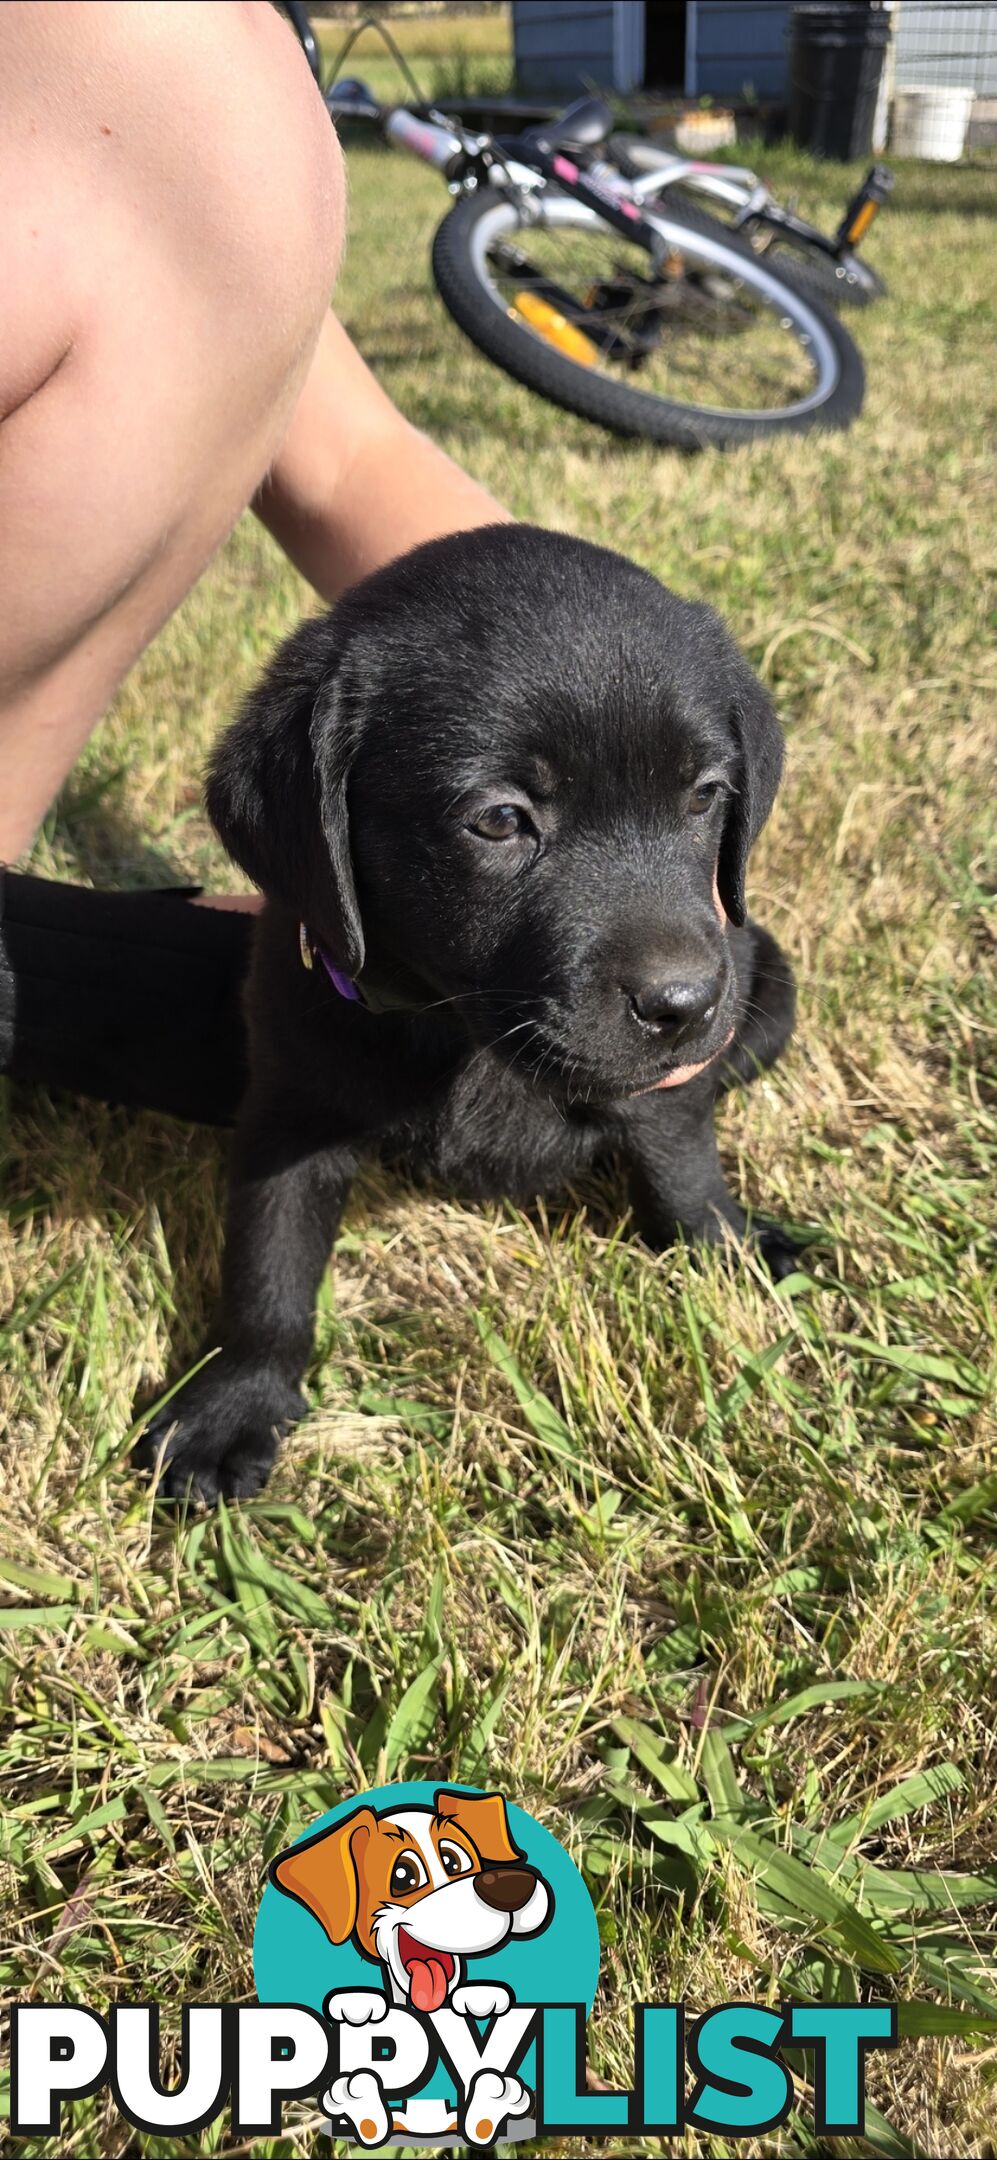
[(555, 327), (861, 223)]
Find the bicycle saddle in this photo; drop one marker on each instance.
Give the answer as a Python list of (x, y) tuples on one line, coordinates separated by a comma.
[(579, 127)]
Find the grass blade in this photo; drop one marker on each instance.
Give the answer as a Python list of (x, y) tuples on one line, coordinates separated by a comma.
[(412, 1721), (645, 1747), (912, 1793), (821, 1909), (41, 1581), (809, 1698), (543, 1420), (921, 1364), (719, 1776)]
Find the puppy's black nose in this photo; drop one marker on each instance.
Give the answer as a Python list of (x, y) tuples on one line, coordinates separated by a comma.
[(506, 1889), (674, 1006)]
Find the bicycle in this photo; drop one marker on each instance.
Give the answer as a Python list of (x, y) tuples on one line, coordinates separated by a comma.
[(829, 265), (654, 321)]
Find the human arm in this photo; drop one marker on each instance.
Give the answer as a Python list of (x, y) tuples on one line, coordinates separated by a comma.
[(354, 483)]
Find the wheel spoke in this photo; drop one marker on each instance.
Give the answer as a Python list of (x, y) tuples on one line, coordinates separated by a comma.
[(701, 324), (698, 332)]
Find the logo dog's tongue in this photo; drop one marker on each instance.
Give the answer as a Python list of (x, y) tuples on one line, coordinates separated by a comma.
[(428, 1982)]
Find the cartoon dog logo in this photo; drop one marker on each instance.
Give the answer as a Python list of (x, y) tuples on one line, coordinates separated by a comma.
[(420, 1891)]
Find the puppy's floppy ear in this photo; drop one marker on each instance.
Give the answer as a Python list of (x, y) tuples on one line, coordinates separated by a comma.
[(322, 1873), (759, 738), (333, 742), (484, 1821), (277, 791)]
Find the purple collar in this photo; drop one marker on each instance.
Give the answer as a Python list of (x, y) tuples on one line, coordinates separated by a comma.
[(345, 985), (384, 999)]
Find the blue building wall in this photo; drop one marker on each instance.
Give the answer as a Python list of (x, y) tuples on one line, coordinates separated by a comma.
[(563, 46), (560, 45), (739, 44)]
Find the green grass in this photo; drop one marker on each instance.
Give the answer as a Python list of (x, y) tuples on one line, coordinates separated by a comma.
[(704, 1568), (450, 55)]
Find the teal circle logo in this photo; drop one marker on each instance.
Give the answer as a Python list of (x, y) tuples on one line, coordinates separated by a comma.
[(415, 1918)]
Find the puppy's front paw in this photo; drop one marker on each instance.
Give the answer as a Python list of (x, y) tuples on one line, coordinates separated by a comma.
[(491, 2100), (481, 1999), (220, 1433), (359, 2096), (775, 1245), (779, 1249), (356, 2006)]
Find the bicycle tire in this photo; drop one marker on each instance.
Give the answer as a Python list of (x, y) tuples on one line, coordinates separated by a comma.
[(819, 278), (457, 246)]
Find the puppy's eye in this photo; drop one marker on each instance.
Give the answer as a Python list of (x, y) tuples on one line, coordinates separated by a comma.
[(455, 1860), (703, 796), (407, 1874), (501, 821)]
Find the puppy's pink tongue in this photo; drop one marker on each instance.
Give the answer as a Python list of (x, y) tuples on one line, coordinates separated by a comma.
[(428, 1983)]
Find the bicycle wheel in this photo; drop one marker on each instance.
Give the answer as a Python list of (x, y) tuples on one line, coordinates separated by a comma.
[(701, 345), (848, 283)]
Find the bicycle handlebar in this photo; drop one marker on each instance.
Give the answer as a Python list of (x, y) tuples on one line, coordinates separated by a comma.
[(430, 137)]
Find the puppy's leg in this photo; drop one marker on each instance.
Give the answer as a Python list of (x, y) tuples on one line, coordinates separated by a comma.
[(677, 1183), (221, 1432)]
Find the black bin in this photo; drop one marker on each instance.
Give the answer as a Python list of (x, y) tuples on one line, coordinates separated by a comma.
[(836, 58)]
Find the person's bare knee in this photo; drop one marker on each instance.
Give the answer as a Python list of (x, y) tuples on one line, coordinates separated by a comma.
[(176, 232)]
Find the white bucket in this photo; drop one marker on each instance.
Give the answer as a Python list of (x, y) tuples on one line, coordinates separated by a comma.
[(930, 123)]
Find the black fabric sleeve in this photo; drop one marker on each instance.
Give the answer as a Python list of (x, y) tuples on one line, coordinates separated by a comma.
[(132, 997)]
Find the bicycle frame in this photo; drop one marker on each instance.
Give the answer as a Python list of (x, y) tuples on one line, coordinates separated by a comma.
[(732, 184), (743, 192), (463, 158), (735, 186), (620, 200)]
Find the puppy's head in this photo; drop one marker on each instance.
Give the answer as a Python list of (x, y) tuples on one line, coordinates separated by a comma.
[(515, 773), (420, 1889)]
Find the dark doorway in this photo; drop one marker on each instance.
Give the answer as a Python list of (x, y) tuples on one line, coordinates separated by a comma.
[(664, 44)]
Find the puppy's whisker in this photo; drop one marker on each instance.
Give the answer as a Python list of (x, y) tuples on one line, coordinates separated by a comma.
[(537, 1077), (537, 1073), (768, 975), (751, 1010), (466, 997), (484, 1048), (457, 997), (532, 1067), (569, 1077)]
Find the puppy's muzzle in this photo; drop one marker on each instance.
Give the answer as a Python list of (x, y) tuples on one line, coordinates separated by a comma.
[(505, 1889)]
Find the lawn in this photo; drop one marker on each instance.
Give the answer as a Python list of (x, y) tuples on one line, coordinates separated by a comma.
[(698, 1569), (450, 55)]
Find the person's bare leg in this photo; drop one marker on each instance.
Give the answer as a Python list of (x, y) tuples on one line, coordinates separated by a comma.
[(174, 219)]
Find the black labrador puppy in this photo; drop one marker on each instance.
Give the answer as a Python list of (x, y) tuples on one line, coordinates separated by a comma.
[(500, 802)]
